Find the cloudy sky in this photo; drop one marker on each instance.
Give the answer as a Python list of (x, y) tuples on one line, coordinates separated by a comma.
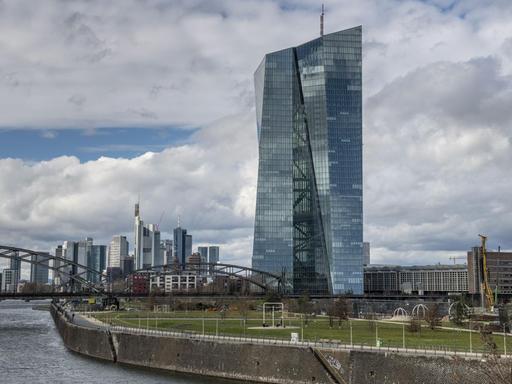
[(103, 100)]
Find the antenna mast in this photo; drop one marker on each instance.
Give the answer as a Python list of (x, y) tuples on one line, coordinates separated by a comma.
[(322, 21)]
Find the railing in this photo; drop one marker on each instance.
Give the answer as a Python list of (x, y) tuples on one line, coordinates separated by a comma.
[(305, 344), (332, 345)]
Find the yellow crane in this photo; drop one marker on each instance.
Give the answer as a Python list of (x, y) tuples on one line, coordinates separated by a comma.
[(485, 284)]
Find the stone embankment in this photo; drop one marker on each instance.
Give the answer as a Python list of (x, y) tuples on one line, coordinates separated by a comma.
[(254, 361)]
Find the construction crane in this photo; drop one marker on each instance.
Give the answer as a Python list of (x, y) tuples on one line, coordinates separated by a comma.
[(457, 258), (485, 284)]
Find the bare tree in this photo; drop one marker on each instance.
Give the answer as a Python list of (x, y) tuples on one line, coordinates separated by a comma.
[(433, 316), (414, 325), (341, 310), (243, 308), (491, 369), (304, 306)]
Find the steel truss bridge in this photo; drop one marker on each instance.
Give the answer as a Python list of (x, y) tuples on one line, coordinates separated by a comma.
[(64, 268), (75, 274), (265, 280)]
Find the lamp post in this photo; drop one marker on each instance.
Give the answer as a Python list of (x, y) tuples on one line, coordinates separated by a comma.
[(351, 340), (470, 338), (403, 335), (505, 340), (376, 334)]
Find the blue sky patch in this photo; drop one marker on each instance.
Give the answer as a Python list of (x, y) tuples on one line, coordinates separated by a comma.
[(37, 145)]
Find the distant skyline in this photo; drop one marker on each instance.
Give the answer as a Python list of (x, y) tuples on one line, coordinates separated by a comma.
[(101, 101)]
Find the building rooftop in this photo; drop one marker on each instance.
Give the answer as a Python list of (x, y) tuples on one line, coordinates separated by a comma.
[(415, 267)]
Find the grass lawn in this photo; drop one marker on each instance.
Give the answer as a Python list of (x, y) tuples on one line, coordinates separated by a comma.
[(363, 331)]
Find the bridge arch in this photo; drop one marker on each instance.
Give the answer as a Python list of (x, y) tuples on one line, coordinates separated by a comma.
[(265, 280), (25, 256)]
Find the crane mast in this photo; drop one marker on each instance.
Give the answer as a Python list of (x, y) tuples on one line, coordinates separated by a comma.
[(485, 284)]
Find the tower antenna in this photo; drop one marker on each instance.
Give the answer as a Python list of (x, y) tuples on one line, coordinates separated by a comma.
[(322, 21), (179, 221)]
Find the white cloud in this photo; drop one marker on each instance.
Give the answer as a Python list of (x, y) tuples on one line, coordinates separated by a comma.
[(209, 183), (437, 90)]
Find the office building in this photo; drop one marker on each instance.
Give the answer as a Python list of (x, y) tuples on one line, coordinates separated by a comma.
[(0, 282), (188, 245), (182, 244), (203, 251), (69, 251), (113, 274), (366, 253), (172, 283), (10, 279), (15, 265), (94, 257), (83, 252), (39, 272), (166, 252), (309, 206), (127, 266), (419, 279), (147, 243), (213, 254), (117, 251), (499, 267)]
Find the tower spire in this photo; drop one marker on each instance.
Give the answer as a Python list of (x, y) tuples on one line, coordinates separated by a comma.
[(179, 219), (322, 21)]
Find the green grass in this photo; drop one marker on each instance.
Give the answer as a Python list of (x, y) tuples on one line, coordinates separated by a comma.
[(317, 329)]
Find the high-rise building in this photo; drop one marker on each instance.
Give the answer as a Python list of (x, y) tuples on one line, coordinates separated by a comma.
[(188, 245), (83, 252), (203, 251), (213, 254), (69, 252), (10, 279), (15, 265), (127, 266), (366, 253), (166, 252), (117, 251), (147, 243), (182, 244), (39, 271), (309, 207), (93, 256)]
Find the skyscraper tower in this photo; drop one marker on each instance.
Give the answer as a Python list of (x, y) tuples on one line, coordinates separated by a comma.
[(309, 207), (147, 243), (182, 244)]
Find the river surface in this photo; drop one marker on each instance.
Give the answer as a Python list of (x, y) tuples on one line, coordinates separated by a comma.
[(31, 351)]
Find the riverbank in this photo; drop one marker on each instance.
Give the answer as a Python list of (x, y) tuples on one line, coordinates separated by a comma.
[(254, 360)]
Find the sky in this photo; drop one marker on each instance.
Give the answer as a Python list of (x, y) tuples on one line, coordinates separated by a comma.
[(105, 101)]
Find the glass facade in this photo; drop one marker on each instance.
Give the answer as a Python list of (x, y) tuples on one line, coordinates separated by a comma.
[(309, 208)]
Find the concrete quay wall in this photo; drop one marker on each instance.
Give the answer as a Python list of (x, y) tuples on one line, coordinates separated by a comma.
[(88, 341), (265, 363)]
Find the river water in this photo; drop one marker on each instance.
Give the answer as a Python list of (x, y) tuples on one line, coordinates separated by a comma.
[(31, 351)]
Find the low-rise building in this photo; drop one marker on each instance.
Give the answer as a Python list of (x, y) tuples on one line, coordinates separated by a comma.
[(174, 282), (420, 279), (138, 283), (10, 280)]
